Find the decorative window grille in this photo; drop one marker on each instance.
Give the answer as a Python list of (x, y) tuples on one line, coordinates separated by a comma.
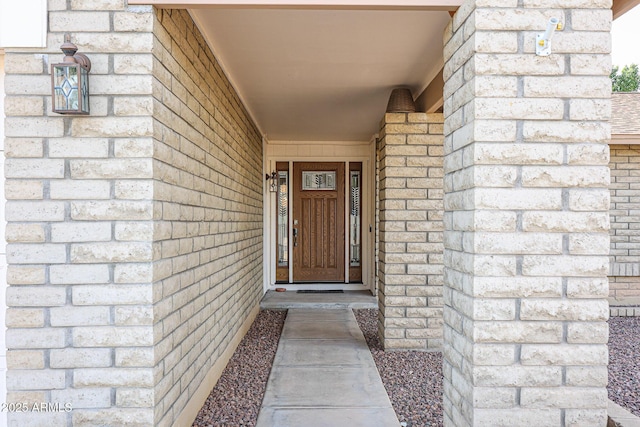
[(283, 216), (318, 181), (354, 218)]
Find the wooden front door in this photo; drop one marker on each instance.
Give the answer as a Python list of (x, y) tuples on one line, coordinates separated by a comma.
[(318, 222)]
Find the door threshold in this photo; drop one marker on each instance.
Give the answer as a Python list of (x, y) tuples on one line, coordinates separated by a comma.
[(313, 283), (319, 286)]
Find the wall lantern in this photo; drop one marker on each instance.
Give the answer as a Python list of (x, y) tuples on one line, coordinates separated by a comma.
[(70, 81), (273, 185)]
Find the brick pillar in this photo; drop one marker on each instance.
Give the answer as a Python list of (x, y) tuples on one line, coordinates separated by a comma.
[(526, 217), (135, 241), (410, 247), (79, 209)]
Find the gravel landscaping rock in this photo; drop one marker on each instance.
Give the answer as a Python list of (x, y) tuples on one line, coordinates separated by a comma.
[(624, 362), (413, 380), (236, 398)]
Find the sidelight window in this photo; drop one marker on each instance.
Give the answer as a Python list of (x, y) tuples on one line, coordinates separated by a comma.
[(355, 217), (283, 218)]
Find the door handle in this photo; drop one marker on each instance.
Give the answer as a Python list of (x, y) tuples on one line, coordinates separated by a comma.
[(295, 237)]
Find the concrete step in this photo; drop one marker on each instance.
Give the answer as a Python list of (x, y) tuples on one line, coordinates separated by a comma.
[(292, 299)]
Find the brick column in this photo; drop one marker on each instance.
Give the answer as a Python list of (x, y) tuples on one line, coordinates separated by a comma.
[(410, 247), (135, 233), (79, 209), (526, 217)]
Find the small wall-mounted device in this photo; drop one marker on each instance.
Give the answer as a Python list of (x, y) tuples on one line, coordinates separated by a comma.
[(543, 40)]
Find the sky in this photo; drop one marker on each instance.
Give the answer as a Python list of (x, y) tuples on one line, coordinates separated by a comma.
[(626, 39)]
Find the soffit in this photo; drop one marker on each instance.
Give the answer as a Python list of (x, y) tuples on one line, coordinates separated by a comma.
[(309, 4), (323, 69), (323, 74), (620, 7)]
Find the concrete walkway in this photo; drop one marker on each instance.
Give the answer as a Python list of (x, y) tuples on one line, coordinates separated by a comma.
[(324, 375)]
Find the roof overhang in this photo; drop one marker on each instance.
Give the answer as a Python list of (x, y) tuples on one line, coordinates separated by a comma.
[(620, 7), (309, 4), (322, 70), (323, 74)]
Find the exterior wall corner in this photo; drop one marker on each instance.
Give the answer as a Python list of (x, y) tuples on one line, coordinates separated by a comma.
[(526, 217)]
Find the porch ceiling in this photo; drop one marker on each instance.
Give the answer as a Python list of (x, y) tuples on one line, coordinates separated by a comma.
[(323, 74), (322, 70)]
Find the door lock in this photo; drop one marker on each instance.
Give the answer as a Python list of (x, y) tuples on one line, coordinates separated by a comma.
[(295, 237)]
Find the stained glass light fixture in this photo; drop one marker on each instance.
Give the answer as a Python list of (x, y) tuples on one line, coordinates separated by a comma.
[(70, 81)]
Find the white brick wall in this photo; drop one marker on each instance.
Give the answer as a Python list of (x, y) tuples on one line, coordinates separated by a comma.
[(136, 232), (526, 216), (3, 256)]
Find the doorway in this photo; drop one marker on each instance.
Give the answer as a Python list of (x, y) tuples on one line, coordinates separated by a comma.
[(318, 222), (322, 231)]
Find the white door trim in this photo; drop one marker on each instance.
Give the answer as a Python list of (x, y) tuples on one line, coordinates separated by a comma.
[(353, 152)]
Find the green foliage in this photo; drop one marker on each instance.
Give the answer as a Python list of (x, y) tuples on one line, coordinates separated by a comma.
[(625, 80)]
